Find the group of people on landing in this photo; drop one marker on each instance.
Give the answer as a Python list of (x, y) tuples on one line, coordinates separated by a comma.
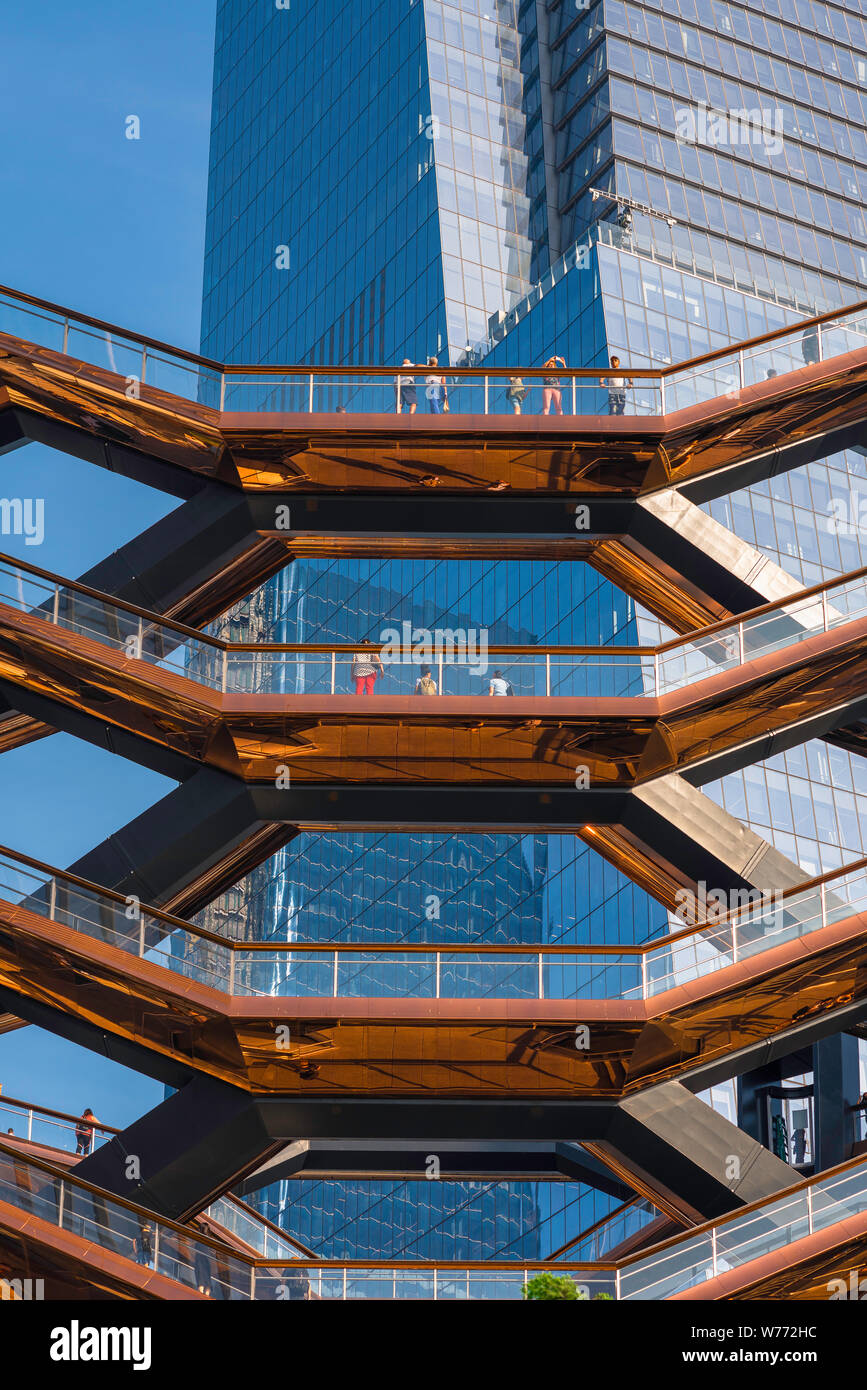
[(367, 669), (437, 395)]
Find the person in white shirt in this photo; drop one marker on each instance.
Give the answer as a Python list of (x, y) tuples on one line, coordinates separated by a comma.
[(498, 684), (617, 391)]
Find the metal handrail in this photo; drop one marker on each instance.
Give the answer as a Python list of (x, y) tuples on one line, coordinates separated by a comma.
[(512, 649), (444, 948), (304, 369), (804, 1185)]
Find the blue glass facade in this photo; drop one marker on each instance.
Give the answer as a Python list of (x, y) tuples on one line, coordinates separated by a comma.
[(398, 181)]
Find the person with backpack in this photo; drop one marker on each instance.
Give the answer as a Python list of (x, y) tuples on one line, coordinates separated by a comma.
[(425, 685), (516, 393), (366, 667), (84, 1133)]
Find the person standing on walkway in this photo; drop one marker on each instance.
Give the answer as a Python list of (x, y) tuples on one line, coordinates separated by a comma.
[(84, 1133), (366, 667), (407, 392), (516, 393), (499, 685), (435, 388), (617, 391), (551, 393), (425, 685)]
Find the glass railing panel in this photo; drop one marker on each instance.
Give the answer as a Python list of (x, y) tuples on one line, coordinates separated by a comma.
[(846, 601), (18, 883), (698, 385), (109, 352), (466, 975), (839, 336), (581, 976), (290, 974), (196, 958), (498, 1284), (697, 659), (41, 327), (785, 919), (180, 377), (23, 591), (688, 1263), (215, 1273), (28, 1189), (768, 360), (370, 975), (769, 1228), (93, 1217), (689, 959), (284, 393), (839, 1197)]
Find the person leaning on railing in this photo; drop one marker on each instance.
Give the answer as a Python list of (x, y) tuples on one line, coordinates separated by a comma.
[(84, 1131)]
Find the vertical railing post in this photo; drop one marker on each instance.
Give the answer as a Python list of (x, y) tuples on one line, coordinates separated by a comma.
[(440, 671), (574, 394), (662, 395), (140, 639), (30, 1124), (713, 1250), (56, 608), (487, 396), (644, 974), (819, 328), (225, 672), (541, 976), (333, 672), (52, 900), (734, 941), (156, 1247), (823, 903), (742, 656), (547, 673), (141, 935), (810, 1210), (741, 369), (60, 1204), (438, 973), (334, 975), (310, 396), (65, 336), (144, 365), (231, 970), (824, 610), (222, 391), (656, 673)]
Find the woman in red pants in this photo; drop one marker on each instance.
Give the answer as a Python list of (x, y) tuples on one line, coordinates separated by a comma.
[(366, 666)]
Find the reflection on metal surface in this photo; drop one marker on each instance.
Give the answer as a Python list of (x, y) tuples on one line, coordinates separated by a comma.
[(587, 456), (397, 1045), (795, 689), (67, 1230)]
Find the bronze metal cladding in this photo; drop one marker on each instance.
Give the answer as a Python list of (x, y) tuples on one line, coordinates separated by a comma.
[(474, 740), (396, 1047), (586, 455)]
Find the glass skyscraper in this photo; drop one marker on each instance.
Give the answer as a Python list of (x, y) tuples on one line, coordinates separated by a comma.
[(498, 181)]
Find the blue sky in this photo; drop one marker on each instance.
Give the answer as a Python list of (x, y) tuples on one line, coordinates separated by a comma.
[(115, 228)]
